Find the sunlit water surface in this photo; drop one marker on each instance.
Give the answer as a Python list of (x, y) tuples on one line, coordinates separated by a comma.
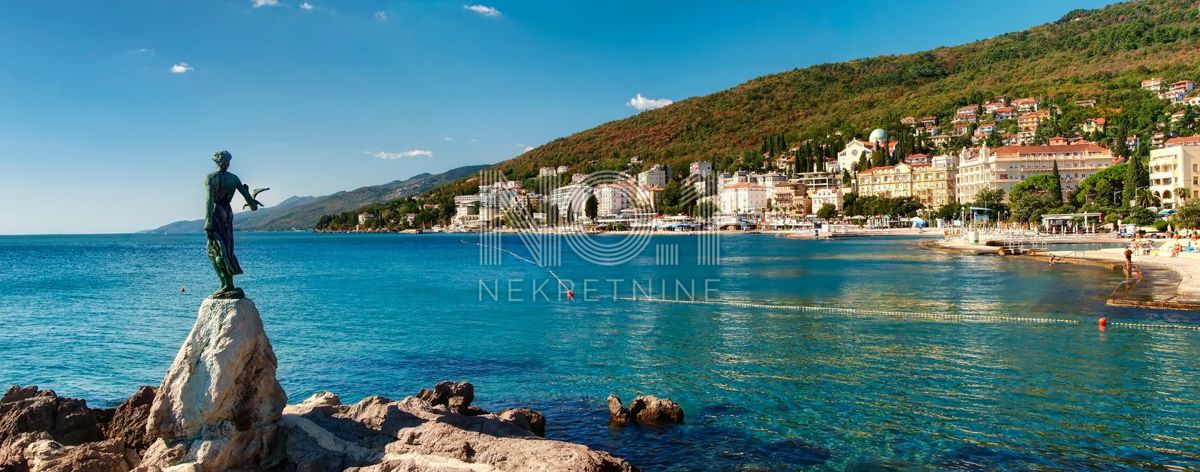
[(96, 316)]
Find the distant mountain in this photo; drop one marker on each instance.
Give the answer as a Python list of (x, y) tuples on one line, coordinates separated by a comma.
[(301, 213)]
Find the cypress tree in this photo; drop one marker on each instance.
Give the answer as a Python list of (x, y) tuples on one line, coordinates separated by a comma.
[(1056, 190), (1130, 188)]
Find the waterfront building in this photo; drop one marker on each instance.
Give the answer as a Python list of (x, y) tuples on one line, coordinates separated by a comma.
[(788, 197), (654, 177), (612, 198), (570, 199), (933, 186), (743, 198), (1003, 167), (1175, 171), (547, 172), (825, 196), (701, 169)]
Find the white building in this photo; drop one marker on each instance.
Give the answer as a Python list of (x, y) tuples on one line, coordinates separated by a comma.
[(612, 198), (655, 177), (701, 169), (826, 196), (570, 198), (743, 198), (1173, 168), (1004, 167), (851, 154)]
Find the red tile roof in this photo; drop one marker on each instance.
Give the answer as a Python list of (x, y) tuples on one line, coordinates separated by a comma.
[(1188, 141), (1066, 148)]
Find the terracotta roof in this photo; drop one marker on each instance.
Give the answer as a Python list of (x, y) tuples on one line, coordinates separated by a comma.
[(1067, 148), (1190, 140)]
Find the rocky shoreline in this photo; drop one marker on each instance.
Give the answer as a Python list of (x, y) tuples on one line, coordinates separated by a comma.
[(221, 408)]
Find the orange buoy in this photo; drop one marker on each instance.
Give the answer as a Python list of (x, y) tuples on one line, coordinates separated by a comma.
[(1103, 322), (570, 295)]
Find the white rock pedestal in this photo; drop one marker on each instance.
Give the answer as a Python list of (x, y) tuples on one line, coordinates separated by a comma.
[(219, 405)]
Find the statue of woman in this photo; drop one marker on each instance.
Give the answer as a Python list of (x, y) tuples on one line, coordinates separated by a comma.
[(218, 223)]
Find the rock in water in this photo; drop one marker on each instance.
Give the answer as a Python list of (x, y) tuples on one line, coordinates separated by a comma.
[(645, 409), (219, 405)]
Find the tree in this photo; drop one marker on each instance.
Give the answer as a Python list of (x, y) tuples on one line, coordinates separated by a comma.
[(1187, 216), (1145, 198), (1129, 188), (949, 211), (591, 208), (827, 212), (1102, 187), (1056, 188)]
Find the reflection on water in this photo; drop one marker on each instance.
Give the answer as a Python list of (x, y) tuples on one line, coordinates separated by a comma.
[(763, 389)]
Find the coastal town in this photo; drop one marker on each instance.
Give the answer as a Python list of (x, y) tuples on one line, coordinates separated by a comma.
[(977, 165)]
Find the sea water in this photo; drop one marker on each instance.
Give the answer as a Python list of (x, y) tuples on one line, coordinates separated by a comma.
[(97, 316)]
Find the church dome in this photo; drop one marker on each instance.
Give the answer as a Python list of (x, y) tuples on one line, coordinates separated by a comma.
[(878, 135)]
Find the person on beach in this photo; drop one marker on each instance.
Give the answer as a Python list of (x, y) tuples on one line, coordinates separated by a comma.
[(1128, 262)]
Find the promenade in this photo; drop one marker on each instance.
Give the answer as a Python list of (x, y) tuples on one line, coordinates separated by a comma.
[(1184, 295)]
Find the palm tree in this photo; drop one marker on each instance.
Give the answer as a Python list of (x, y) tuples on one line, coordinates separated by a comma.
[(1145, 198)]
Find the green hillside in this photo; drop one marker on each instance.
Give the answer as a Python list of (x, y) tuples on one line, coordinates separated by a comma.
[(1100, 54)]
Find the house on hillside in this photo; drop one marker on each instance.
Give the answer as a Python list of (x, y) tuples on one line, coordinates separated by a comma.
[(1025, 105), (1094, 125), (1152, 84)]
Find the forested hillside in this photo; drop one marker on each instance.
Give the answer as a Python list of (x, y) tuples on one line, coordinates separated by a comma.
[(1100, 54)]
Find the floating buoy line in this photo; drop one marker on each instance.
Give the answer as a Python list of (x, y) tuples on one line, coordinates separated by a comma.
[(916, 315)]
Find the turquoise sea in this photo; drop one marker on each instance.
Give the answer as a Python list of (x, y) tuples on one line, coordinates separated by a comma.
[(763, 388)]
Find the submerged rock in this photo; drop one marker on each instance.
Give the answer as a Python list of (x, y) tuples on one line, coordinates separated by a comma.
[(645, 409), (219, 404)]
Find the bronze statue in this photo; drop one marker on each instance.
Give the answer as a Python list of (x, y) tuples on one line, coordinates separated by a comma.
[(218, 223)]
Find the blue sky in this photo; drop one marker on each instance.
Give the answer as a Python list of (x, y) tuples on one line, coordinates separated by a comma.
[(110, 110)]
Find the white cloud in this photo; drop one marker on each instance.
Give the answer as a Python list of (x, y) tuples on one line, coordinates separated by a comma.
[(527, 149), (143, 51), (402, 155), (381, 15), (306, 6), (181, 68), (265, 3), (483, 10), (641, 103), (447, 138)]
